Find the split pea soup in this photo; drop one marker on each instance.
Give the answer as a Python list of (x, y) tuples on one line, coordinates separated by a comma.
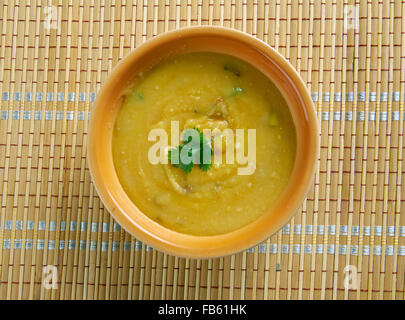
[(201, 91)]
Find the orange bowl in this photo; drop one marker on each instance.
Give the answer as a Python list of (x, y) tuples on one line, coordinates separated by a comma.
[(202, 39)]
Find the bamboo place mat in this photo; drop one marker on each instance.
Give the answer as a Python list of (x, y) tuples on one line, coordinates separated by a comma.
[(54, 56)]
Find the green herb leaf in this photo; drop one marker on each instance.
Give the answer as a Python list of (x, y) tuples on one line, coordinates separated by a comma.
[(232, 69), (139, 96), (194, 150), (236, 91)]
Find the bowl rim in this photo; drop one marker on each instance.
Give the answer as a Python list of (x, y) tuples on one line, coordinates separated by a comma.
[(152, 233)]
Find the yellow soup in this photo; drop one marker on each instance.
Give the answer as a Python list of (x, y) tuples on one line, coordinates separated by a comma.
[(204, 91)]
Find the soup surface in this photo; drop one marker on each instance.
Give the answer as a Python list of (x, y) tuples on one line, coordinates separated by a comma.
[(204, 91)]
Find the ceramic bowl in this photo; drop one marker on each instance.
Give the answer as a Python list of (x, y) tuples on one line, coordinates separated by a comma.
[(201, 39)]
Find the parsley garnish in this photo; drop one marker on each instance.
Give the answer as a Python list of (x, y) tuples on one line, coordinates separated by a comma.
[(192, 151)]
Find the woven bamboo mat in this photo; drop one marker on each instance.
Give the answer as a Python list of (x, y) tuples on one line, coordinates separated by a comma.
[(54, 56)]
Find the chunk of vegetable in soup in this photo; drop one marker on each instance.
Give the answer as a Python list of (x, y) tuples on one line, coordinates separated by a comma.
[(204, 91)]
